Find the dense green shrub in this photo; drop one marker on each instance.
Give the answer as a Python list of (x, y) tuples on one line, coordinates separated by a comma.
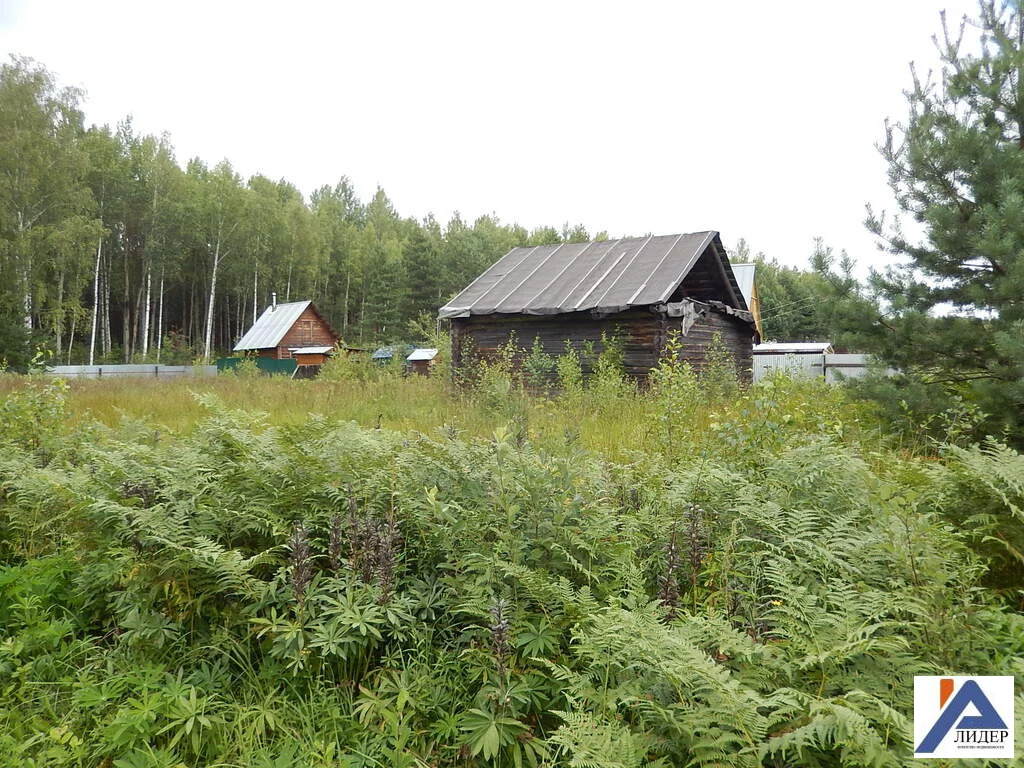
[(757, 591)]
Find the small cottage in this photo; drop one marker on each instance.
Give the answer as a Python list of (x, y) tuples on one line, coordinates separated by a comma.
[(638, 290), (284, 330)]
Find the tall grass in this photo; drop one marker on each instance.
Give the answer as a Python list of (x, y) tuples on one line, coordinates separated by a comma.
[(614, 420)]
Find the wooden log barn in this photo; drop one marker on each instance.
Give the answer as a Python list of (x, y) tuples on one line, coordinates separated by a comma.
[(292, 330), (636, 289)]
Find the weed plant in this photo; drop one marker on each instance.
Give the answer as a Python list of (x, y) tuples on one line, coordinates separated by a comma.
[(387, 571)]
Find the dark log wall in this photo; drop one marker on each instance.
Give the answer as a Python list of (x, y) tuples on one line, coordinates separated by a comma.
[(734, 334), (642, 332)]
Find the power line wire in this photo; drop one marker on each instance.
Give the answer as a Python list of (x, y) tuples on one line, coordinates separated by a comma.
[(790, 307)]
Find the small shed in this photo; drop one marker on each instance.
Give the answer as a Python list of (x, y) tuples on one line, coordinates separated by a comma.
[(639, 290), (794, 348), (311, 355), (384, 355), (284, 327), (421, 360), (803, 358)]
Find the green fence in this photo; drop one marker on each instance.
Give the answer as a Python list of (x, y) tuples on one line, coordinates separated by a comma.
[(267, 365)]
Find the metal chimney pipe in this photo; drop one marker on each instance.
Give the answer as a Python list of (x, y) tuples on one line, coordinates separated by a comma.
[(273, 301)]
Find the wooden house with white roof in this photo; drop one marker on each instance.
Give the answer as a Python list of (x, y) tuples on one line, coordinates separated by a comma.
[(292, 330)]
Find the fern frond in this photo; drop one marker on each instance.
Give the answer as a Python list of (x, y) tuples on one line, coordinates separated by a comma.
[(592, 743)]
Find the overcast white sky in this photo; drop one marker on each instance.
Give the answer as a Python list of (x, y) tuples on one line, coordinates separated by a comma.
[(758, 119)]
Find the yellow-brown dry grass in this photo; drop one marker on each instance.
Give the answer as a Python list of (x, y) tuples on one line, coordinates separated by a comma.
[(614, 424)]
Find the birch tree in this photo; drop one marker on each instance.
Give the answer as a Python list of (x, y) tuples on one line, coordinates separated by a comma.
[(42, 171), (222, 201), (105, 179)]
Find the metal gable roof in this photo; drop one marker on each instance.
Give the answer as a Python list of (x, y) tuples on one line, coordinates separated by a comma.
[(271, 326), (389, 352), (423, 353), (600, 276)]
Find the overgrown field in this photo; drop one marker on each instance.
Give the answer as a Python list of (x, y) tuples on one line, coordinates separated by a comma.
[(249, 572)]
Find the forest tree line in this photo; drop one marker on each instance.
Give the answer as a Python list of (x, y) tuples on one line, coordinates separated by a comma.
[(179, 261)]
